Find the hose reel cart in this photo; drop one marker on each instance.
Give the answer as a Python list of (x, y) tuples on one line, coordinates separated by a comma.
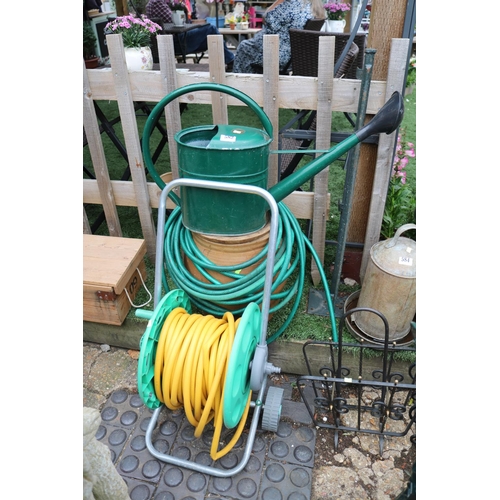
[(247, 367)]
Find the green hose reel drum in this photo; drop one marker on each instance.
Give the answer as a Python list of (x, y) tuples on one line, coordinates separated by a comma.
[(221, 153)]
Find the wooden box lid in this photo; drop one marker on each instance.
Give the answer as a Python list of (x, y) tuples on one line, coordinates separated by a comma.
[(110, 261)]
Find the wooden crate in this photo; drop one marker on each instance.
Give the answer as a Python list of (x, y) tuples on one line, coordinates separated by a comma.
[(111, 265)]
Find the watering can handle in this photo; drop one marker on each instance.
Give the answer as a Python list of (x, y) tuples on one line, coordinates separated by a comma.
[(399, 232), (216, 87)]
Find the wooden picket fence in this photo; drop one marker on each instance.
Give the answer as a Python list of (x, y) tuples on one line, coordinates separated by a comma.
[(270, 90)]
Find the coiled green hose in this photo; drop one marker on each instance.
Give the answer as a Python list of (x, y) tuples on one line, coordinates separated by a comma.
[(290, 260)]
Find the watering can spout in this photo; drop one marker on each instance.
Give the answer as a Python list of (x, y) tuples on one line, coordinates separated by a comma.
[(387, 120)]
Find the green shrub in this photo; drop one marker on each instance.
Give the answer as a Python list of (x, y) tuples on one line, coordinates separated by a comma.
[(401, 204), (89, 40), (411, 78)]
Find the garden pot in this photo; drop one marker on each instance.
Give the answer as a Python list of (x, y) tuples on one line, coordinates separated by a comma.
[(178, 17), (92, 63), (242, 26), (139, 58), (223, 250), (334, 26), (232, 26)]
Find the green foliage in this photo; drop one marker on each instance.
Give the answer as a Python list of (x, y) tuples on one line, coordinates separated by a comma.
[(89, 40), (400, 206), (411, 78)]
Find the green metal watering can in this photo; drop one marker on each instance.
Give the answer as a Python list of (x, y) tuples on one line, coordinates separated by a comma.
[(229, 153)]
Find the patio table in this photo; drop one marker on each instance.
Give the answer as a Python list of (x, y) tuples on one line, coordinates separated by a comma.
[(236, 36), (179, 32)]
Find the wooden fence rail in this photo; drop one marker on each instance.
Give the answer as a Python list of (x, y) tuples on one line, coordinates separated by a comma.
[(270, 90)]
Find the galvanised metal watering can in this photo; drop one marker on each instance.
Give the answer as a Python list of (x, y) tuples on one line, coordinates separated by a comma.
[(238, 154)]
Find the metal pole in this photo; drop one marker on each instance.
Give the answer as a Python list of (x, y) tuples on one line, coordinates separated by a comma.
[(351, 170)]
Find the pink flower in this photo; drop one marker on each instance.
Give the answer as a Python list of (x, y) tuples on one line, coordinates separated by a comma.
[(401, 175), (404, 151), (335, 11)]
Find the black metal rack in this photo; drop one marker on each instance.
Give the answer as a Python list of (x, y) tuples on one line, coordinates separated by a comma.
[(373, 396)]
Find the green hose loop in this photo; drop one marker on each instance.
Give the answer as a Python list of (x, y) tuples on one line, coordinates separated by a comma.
[(215, 297)]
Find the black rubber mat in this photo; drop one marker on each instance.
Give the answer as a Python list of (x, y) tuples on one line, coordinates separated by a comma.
[(279, 468)]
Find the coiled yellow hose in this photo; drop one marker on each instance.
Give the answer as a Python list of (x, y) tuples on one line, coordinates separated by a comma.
[(190, 368)]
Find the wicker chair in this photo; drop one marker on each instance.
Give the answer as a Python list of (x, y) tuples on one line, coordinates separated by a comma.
[(304, 62), (305, 48), (314, 25)]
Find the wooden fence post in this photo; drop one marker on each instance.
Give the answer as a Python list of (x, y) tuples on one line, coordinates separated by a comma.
[(270, 84), (131, 135), (386, 23), (96, 150)]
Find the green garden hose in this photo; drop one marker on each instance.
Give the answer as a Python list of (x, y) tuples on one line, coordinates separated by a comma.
[(215, 297)]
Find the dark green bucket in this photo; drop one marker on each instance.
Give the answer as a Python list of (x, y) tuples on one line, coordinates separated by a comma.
[(223, 153)]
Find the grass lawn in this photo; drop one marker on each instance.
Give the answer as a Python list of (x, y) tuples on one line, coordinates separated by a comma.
[(303, 325)]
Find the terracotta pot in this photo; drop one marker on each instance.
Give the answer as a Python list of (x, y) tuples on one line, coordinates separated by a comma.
[(92, 63), (227, 251)]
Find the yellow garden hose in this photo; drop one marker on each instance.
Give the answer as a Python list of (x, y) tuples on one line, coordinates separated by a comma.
[(190, 368)]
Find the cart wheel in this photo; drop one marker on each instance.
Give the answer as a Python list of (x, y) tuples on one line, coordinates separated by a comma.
[(272, 409)]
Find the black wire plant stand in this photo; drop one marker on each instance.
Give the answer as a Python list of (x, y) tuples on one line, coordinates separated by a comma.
[(378, 400)]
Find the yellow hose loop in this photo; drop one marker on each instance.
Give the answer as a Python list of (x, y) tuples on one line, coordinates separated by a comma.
[(190, 368), (169, 325)]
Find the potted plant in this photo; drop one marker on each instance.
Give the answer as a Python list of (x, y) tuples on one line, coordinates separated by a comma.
[(231, 20), (136, 34), (89, 41), (242, 21), (335, 16)]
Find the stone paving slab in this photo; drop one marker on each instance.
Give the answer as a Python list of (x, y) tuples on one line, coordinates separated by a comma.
[(280, 464)]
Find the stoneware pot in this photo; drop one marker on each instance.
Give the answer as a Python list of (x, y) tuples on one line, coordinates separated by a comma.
[(243, 25), (178, 17), (138, 58), (335, 26)]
